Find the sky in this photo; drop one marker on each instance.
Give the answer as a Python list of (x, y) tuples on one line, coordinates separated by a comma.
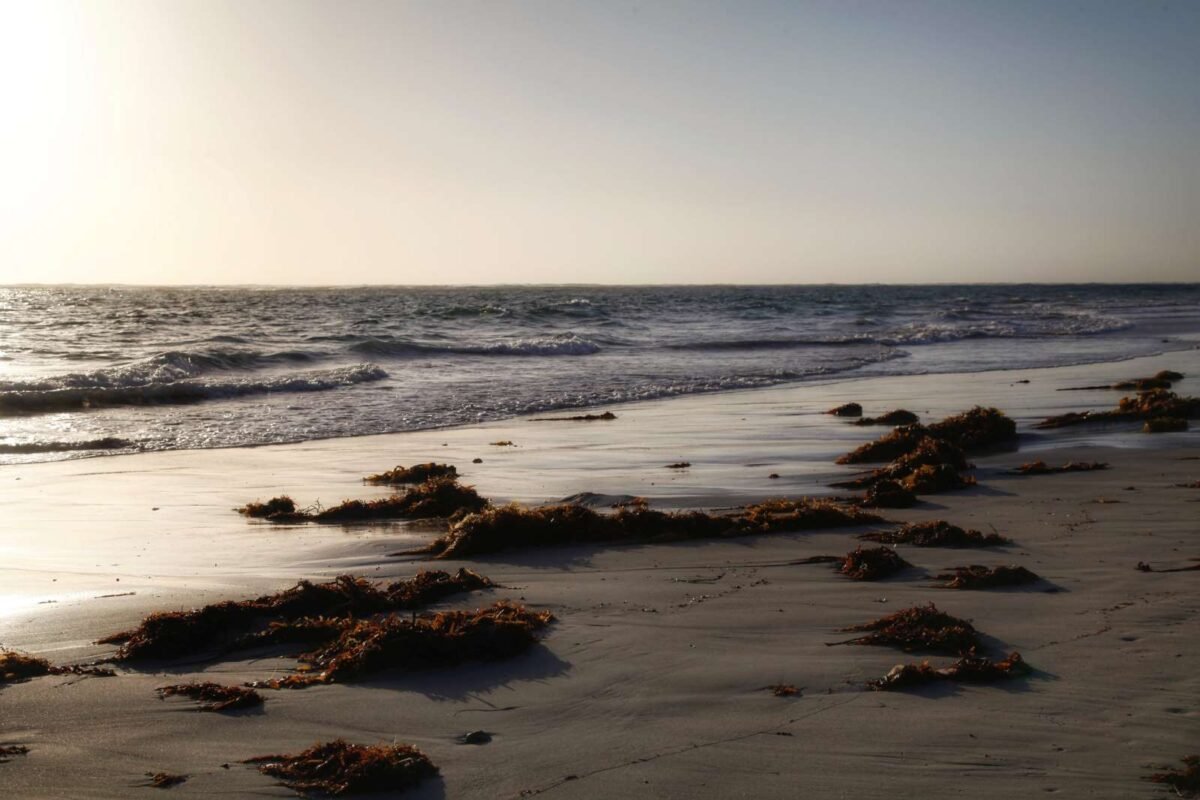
[(438, 142)]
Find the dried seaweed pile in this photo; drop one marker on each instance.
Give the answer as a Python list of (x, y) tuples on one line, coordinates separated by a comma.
[(1186, 781), (1042, 468), (15, 667), (934, 478), (172, 634), (1161, 380), (936, 533), (977, 576), (417, 473), (1157, 403), (512, 527), (214, 696), (435, 497), (920, 628), (925, 452), (971, 669), (400, 642), (1165, 425), (888, 494), (340, 768), (898, 417), (871, 563), (846, 410)]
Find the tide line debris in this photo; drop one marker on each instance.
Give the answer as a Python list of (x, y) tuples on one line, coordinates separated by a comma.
[(605, 417), (339, 768), (16, 667), (977, 576), (417, 473), (513, 527), (846, 410), (1145, 406), (165, 780), (898, 417), (936, 533), (435, 497), (1142, 566), (1186, 781), (1165, 425), (1042, 468), (9, 750), (445, 638), (970, 669), (872, 563), (920, 628), (172, 634), (214, 696)]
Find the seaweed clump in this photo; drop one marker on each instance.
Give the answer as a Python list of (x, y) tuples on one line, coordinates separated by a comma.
[(871, 563), (977, 576), (936, 533), (513, 527), (889, 494), (396, 642), (1186, 781), (971, 430), (1042, 468), (934, 478), (417, 473), (898, 417), (214, 696), (9, 750), (1145, 406), (607, 416), (274, 508), (171, 634), (165, 780), (898, 442), (435, 497), (971, 669), (16, 667), (1165, 425), (920, 628), (339, 768), (846, 410)]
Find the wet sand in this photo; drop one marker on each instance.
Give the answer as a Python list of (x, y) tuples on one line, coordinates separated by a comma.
[(652, 682)]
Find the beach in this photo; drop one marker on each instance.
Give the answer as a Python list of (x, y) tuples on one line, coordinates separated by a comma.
[(653, 679)]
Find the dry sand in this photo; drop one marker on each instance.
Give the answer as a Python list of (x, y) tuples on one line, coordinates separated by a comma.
[(652, 682)]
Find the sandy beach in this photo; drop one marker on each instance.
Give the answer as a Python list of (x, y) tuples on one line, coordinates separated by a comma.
[(653, 681)]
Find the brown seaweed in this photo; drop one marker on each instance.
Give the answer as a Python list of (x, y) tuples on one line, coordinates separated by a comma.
[(970, 669), (1144, 406), (936, 533), (1186, 781), (920, 628), (872, 563), (276, 506), (977, 576), (898, 442), (888, 494), (605, 417), (1165, 425), (9, 750), (417, 473), (214, 696), (16, 667), (513, 527), (846, 410), (679, 465), (172, 634), (1142, 566), (977, 429), (934, 478), (927, 452), (165, 780), (1042, 468), (391, 642), (783, 690), (898, 417), (339, 768)]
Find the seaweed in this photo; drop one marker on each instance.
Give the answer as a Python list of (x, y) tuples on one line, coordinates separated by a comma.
[(16, 667), (977, 576), (437, 497), (172, 634), (926, 452), (605, 417), (970, 669), (1165, 425), (898, 442), (340, 768), (846, 410), (1142, 566), (1145, 406), (679, 465), (783, 690), (502, 443), (446, 638), (9, 750), (1042, 468), (872, 563), (936, 533), (1168, 375), (165, 780), (512, 527), (934, 478), (213, 696), (920, 628), (417, 473), (976, 429), (888, 494), (1186, 781), (276, 506), (898, 417)]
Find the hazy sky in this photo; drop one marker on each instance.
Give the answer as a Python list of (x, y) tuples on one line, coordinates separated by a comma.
[(264, 141)]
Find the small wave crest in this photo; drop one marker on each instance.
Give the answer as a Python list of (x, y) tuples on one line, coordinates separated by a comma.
[(29, 448), (177, 392), (562, 345)]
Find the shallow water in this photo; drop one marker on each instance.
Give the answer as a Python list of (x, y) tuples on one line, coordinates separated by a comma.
[(90, 371)]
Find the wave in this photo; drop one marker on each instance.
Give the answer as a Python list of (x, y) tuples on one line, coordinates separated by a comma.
[(783, 343), (35, 401), (561, 345), (28, 448)]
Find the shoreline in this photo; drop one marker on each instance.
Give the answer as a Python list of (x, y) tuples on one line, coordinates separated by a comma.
[(651, 682)]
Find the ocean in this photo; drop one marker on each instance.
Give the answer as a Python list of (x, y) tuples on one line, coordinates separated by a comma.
[(88, 371)]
